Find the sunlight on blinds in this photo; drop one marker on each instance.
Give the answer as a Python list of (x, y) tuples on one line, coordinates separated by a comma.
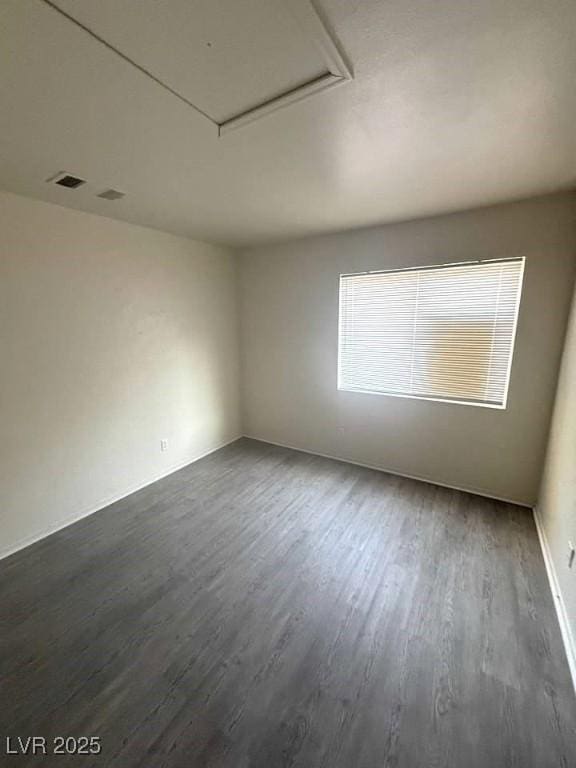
[(443, 333)]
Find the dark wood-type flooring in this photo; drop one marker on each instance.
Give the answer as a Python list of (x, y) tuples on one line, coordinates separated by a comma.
[(265, 608)]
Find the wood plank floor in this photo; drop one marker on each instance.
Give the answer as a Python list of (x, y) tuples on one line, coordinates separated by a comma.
[(265, 608)]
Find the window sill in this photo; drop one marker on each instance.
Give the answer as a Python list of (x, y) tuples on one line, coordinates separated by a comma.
[(449, 401)]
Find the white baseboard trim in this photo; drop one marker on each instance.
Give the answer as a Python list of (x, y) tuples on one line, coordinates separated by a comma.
[(58, 526), (559, 604), (389, 471)]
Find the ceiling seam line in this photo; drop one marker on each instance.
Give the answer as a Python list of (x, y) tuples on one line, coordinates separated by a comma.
[(126, 58)]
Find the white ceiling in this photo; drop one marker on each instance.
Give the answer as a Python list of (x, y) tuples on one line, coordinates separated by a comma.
[(453, 104)]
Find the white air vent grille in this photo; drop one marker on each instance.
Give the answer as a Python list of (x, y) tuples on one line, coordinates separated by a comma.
[(111, 194)]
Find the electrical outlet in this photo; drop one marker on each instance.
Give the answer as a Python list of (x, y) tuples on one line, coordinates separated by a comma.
[(163, 445), (571, 554)]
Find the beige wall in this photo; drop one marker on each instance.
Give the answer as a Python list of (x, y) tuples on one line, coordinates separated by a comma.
[(289, 309), (557, 503), (112, 338)]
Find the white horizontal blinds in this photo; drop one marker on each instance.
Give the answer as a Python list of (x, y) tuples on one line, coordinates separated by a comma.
[(377, 320), (441, 332)]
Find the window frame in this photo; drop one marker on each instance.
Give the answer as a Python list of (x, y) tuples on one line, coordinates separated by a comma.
[(449, 400)]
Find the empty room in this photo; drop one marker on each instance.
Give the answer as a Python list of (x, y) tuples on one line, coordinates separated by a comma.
[(288, 383)]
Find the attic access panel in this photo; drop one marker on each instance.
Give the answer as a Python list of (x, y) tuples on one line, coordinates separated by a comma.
[(232, 60)]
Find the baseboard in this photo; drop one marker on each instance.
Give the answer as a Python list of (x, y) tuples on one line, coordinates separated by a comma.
[(390, 471), (58, 526), (567, 636)]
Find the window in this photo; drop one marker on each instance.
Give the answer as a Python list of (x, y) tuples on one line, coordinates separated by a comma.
[(439, 333)]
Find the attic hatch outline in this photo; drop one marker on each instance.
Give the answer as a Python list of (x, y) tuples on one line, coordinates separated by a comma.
[(312, 25)]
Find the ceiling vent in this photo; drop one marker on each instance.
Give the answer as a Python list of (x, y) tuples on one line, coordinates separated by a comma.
[(111, 194), (67, 180)]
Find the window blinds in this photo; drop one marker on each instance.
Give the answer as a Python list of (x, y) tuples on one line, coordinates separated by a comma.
[(443, 333)]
